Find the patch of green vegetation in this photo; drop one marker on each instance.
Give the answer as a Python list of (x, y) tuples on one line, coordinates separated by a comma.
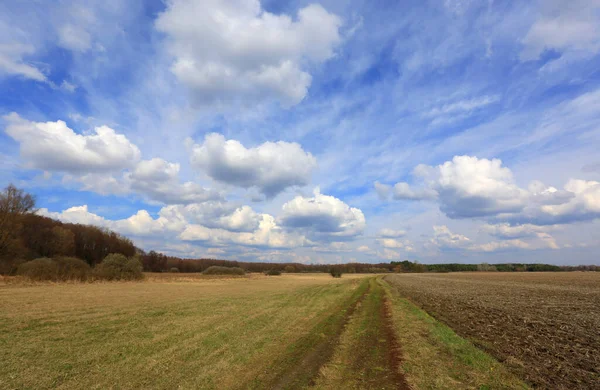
[(435, 357)]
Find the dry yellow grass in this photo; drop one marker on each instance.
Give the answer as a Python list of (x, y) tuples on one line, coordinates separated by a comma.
[(163, 333)]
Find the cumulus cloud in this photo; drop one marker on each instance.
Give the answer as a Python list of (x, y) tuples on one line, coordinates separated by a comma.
[(469, 187), (52, 146), (139, 224), (158, 180), (236, 51), (323, 217), (176, 223), (222, 215), (565, 27), (268, 234), (270, 167)]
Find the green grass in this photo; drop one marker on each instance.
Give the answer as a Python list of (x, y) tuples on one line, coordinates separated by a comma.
[(434, 357)]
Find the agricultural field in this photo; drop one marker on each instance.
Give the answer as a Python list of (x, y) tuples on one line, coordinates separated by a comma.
[(293, 331), (545, 327)]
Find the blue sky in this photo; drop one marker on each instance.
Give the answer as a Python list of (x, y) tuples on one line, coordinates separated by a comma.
[(437, 131)]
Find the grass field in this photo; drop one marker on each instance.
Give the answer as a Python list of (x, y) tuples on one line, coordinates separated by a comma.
[(257, 332), (545, 327)]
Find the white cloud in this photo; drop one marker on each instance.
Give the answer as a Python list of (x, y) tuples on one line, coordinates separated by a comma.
[(179, 223), (222, 215), (74, 37), (444, 238), (77, 214), (390, 243), (459, 109), (391, 233), (158, 180), (270, 167), (139, 224), (468, 187), (507, 231), (52, 146), (12, 61), (572, 26), (404, 191), (236, 51), (500, 245), (323, 217), (268, 234), (383, 190)]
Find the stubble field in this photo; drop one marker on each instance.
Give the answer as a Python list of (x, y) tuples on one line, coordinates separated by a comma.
[(545, 327)]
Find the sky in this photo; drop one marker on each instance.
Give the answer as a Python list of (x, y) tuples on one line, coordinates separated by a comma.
[(311, 131)]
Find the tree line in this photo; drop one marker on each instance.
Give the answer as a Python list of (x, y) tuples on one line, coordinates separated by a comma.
[(25, 236)]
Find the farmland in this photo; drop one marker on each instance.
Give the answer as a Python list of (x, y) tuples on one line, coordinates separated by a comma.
[(545, 327), (192, 331)]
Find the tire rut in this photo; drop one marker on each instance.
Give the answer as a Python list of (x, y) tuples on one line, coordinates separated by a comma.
[(306, 369), (393, 346)]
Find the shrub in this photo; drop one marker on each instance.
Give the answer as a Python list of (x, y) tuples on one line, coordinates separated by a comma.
[(39, 269), (273, 272), (118, 267), (72, 268), (174, 269), (335, 272), (10, 266), (218, 270), (289, 269)]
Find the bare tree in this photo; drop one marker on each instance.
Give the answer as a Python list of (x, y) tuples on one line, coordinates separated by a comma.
[(14, 203)]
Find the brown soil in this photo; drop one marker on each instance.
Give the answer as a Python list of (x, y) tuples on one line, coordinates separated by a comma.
[(545, 327), (393, 346)]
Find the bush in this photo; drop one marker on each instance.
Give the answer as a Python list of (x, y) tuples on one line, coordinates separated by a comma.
[(273, 272), (72, 268), (335, 272), (289, 269), (10, 266), (217, 270), (39, 269), (118, 267), (174, 270)]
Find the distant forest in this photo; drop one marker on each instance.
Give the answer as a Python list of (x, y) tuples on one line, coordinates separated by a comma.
[(24, 236)]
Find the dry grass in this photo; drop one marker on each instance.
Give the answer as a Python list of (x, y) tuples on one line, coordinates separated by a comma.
[(162, 333), (544, 326)]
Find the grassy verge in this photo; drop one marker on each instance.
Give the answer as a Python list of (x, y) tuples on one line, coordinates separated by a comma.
[(434, 357)]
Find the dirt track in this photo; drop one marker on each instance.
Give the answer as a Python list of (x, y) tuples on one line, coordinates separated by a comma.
[(372, 358)]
